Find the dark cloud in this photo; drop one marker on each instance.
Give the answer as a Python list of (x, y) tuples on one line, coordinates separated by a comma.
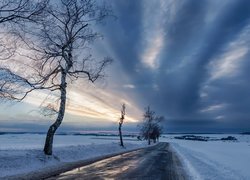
[(195, 33), (189, 60), (124, 33)]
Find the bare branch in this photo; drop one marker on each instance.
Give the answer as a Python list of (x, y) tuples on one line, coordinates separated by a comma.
[(16, 10), (53, 45)]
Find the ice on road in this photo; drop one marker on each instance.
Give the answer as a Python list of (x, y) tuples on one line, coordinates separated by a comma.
[(155, 162)]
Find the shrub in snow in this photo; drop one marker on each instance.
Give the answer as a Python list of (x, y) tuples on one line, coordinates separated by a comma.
[(229, 138)]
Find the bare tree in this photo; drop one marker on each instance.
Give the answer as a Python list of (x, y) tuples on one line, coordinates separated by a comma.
[(156, 130), (58, 44), (14, 12), (17, 10), (150, 127), (121, 122)]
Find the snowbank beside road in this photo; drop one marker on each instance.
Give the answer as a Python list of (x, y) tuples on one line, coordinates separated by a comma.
[(13, 162), (215, 159)]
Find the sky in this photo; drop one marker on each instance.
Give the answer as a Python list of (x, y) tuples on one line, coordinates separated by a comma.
[(189, 60)]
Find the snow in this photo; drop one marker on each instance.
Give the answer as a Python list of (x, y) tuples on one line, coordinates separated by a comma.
[(224, 160), (214, 159), (22, 153), (36, 141)]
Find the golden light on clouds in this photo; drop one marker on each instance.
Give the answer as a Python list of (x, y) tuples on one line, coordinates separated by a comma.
[(85, 101), (91, 102), (100, 104)]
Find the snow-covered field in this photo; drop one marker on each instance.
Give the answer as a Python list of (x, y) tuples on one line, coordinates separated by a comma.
[(222, 160), (36, 141), (22, 153)]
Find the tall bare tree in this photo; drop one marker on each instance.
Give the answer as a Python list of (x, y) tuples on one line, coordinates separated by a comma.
[(121, 122), (58, 45)]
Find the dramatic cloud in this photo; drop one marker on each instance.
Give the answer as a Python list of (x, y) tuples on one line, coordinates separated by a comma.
[(189, 60)]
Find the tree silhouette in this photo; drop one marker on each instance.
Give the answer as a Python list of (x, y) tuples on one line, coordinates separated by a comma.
[(121, 122), (58, 46), (150, 127)]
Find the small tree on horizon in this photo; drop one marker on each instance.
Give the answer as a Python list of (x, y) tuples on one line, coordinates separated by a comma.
[(156, 132), (150, 127), (121, 122)]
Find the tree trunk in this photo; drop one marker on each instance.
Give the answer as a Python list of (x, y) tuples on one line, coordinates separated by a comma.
[(120, 134), (51, 132), (148, 139)]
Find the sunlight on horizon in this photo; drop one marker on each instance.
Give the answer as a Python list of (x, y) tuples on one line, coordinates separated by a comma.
[(84, 103)]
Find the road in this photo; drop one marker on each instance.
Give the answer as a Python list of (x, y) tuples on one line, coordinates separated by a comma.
[(155, 162)]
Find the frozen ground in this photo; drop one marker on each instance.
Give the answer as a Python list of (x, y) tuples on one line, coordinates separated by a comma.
[(36, 141), (203, 160), (214, 159), (22, 153)]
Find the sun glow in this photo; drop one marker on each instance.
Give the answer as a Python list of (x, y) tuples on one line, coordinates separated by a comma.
[(104, 106), (90, 103)]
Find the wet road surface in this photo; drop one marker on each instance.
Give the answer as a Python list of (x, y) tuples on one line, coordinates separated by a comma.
[(156, 162)]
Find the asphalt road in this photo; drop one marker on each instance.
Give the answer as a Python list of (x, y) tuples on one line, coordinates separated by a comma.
[(156, 162)]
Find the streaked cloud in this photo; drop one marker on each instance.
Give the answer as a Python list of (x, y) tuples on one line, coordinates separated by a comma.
[(229, 64), (214, 108), (155, 15), (150, 56), (130, 86), (189, 60)]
